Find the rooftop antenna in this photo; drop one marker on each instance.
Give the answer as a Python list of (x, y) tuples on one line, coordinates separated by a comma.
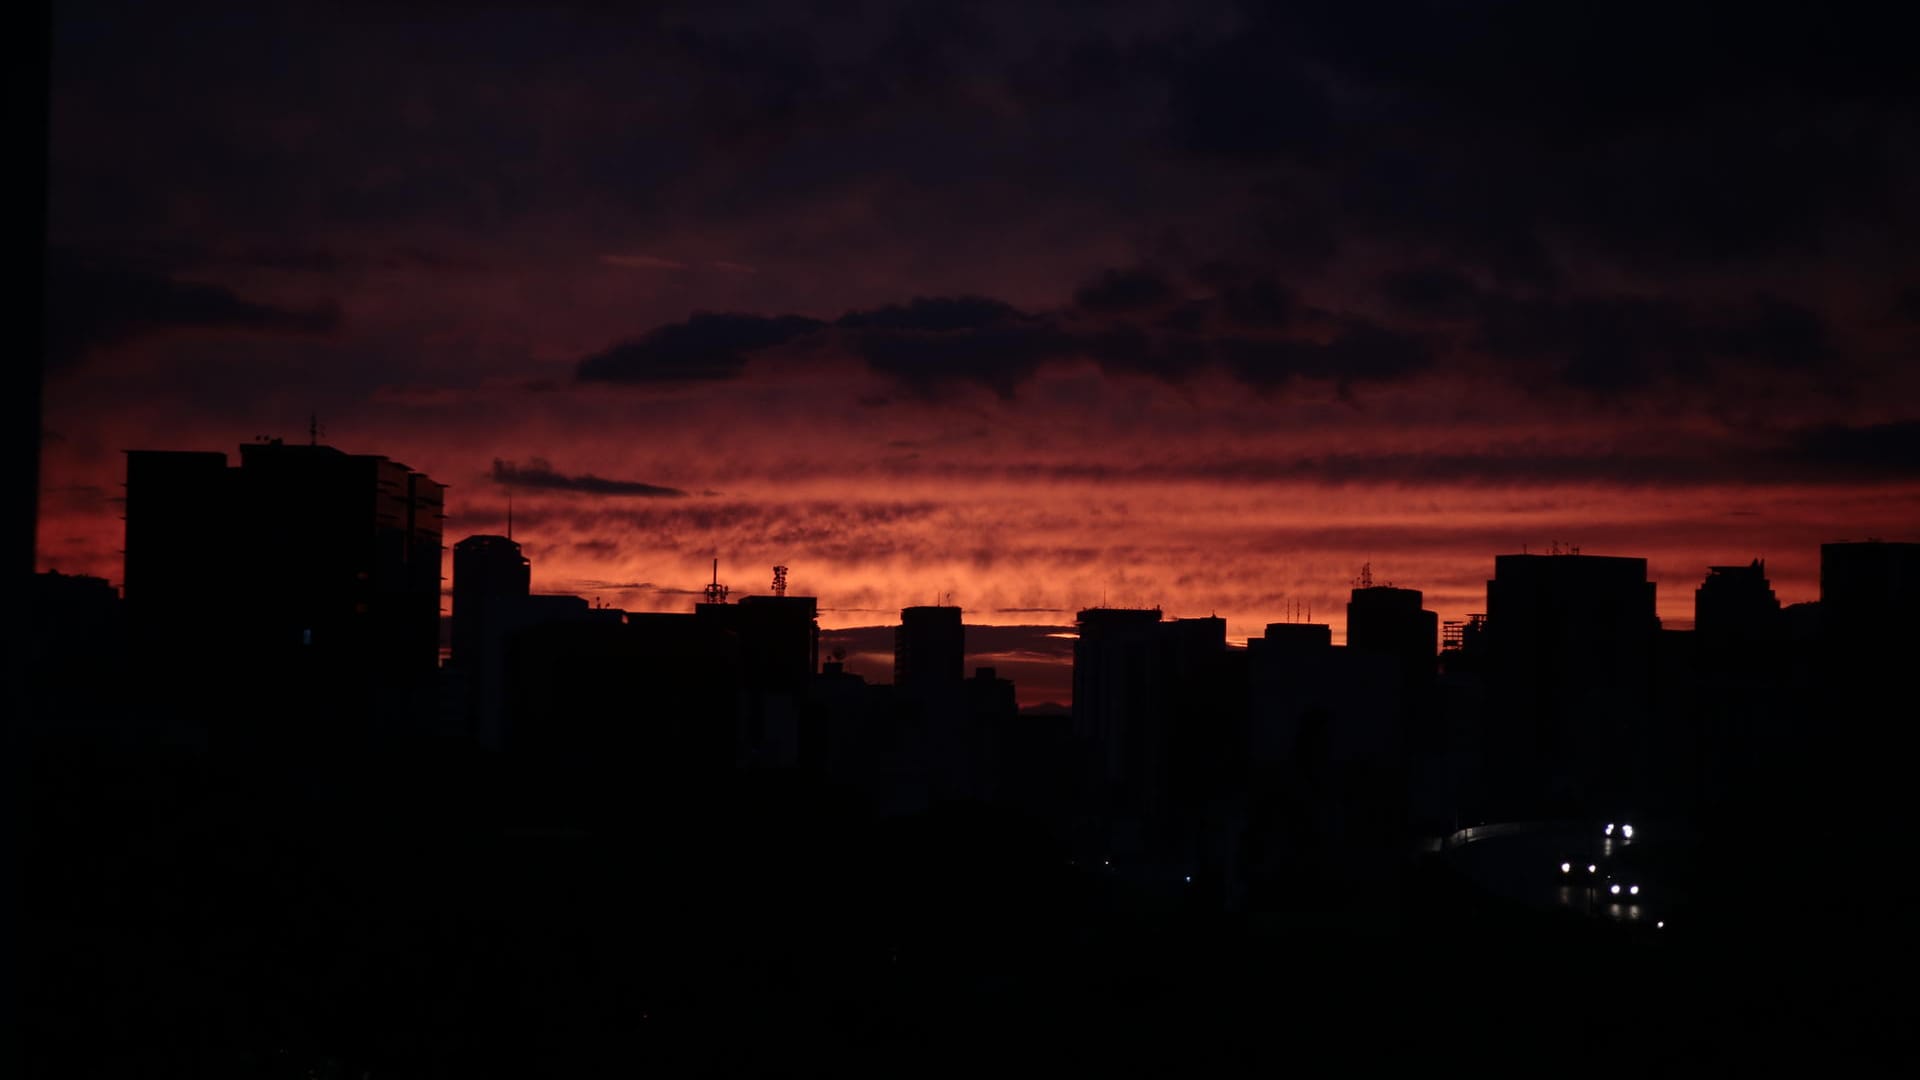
[(1365, 580), (779, 578), (716, 592), (313, 429)]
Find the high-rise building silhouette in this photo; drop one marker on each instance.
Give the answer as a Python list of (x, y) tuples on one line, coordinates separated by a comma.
[(1736, 617), (1870, 593), (777, 639), (491, 592), (1117, 688), (1311, 698), (1294, 636), (1390, 621), (929, 650), (1869, 627), (1323, 750), (621, 706), (1148, 698), (303, 549), (1735, 601), (74, 649), (1570, 662), (491, 582), (990, 697), (179, 579)]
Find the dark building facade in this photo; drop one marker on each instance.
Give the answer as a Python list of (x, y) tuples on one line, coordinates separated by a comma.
[(608, 708), (777, 640), (491, 582), (1570, 666), (1390, 622), (1324, 750), (301, 550), (1736, 618), (1152, 702), (75, 649), (1870, 593), (178, 574), (929, 650)]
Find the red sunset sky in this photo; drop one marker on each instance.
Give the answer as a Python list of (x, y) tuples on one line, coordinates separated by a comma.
[(1036, 307)]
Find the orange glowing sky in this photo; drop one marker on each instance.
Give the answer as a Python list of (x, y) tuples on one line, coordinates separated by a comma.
[(1186, 308)]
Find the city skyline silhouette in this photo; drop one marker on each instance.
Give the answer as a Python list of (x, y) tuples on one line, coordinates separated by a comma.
[(1560, 767), (588, 539)]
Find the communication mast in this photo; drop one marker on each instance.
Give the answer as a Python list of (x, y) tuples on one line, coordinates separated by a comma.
[(1365, 580), (716, 592), (779, 581)]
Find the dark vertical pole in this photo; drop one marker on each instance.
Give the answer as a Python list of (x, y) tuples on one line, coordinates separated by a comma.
[(28, 48)]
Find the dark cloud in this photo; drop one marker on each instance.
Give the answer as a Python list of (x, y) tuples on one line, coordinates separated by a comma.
[(935, 314), (707, 346), (1820, 455), (1906, 305), (1234, 101), (1619, 343), (1430, 292), (998, 357), (931, 343), (1541, 68), (538, 475), (1122, 291), (95, 304), (307, 260), (1362, 352), (1482, 128), (1878, 450), (1260, 302)]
